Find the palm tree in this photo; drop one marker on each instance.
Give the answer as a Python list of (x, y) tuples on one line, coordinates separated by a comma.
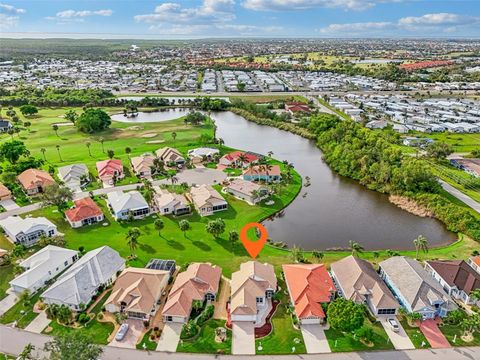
[(26, 353), (318, 255), (87, 144), (184, 226), (128, 151), (43, 151), (132, 239), (58, 151), (296, 253), (421, 243), (243, 159), (102, 140), (173, 179), (270, 153), (110, 153), (376, 255), (355, 247), (55, 128), (174, 136), (233, 237), (475, 295), (159, 225)]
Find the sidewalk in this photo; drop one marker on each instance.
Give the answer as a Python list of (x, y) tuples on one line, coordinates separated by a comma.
[(39, 323)]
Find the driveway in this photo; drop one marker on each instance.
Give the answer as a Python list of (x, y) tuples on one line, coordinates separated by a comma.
[(243, 341), (222, 298), (197, 176), (170, 337), (315, 339), (430, 329), (9, 204), (39, 323), (7, 302), (400, 339), (135, 330)]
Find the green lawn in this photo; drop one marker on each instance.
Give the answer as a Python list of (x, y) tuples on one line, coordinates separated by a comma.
[(205, 341), (457, 178), (98, 306), (460, 142), (6, 274), (98, 331), (415, 335), (344, 342), (7, 357), (452, 332), (149, 345), (15, 312)]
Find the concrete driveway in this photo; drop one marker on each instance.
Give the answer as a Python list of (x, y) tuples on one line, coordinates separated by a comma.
[(315, 340), (7, 302), (170, 337), (135, 330), (9, 204), (435, 337), (400, 339), (243, 340), (39, 323)]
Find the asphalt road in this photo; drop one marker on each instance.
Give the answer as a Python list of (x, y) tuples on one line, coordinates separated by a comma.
[(462, 197), (12, 341)]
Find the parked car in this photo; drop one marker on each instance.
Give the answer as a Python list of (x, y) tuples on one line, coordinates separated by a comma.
[(121, 332), (394, 324)]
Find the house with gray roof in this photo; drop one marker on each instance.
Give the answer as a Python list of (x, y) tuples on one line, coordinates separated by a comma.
[(123, 204), (415, 289), (74, 176), (41, 267), (27, 231), (78, 284)]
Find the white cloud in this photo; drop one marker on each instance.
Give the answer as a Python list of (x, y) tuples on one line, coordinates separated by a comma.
[(68, 14), (11, 9), (209, 11), (8, 22), (428, 23), (289, 5)]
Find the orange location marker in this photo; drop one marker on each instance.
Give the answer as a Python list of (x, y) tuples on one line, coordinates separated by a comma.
[(253, 247)]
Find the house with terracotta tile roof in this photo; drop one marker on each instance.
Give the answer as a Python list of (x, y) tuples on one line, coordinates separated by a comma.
[(474, 262), (357, 280), (110, 170), (84, 212), (248, 191), (199, 282), (5, 193), (457, 278), (142, 165), (234, 159), (34, 181), (309, 286), (263, 173), (297, 107), (252, 289), (137, 292), (206, 200)]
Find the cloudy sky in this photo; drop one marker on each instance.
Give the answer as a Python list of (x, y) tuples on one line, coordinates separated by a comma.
[(240, 18)]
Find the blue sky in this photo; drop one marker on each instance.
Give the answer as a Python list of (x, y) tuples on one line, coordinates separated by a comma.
[(240, 18)]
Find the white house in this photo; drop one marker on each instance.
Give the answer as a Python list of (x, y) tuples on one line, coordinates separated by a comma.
[(123, 204), (76, 286), (41, 267), (29, 230), (74, 176), (202, 153), (248, 191)]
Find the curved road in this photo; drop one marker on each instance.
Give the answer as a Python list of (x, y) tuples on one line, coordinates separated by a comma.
[(12, 341)]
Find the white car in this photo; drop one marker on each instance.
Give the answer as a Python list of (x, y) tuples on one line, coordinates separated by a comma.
[(121, 332), (394, 324)]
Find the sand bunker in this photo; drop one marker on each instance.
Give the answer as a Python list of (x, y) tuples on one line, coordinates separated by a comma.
[(149, 135), (155, 141)]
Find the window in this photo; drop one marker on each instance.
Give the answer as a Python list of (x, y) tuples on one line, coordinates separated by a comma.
[(65, 263), (386, 311), (259, 300)]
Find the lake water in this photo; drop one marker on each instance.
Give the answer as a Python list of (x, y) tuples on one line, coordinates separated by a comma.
[(333, 210), (157, 116)]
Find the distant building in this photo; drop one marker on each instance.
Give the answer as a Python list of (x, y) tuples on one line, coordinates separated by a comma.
[(207, 200), (110, 170), (203, 153), (5, 125), (142, 165), (170, 155), (297, 107), (262, 173), (233, 159), (74, 176), (5, 193), (248, 191)]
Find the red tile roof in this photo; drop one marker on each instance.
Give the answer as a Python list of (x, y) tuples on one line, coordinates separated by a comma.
[(297, 107), (84, 208), (309, 285), (260, 170), (33, 178), (108, 167), (233, 156), (426, 64)]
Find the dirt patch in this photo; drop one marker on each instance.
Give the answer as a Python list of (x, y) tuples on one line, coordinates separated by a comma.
[(155, 142), (410, 206), (134, 128), (63, 123), (149, 135)]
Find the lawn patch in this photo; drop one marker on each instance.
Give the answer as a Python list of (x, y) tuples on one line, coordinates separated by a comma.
[(205, 342)]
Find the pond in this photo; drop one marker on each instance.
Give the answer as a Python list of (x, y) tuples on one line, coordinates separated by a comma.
[(333, 209), (155, 116)]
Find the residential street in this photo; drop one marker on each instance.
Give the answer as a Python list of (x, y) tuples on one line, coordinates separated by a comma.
[(12, 341), (460, 196)]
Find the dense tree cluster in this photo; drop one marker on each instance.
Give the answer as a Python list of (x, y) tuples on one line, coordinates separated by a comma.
[(92, 121), (345, 315)]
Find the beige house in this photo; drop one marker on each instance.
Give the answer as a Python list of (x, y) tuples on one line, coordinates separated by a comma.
[(357, 280), (142, 165), (170, 203), (170, 155), (207, 200), (252, 289), (34, 181), (137, 292), (199, 282), (247, 191), (5, 194)]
